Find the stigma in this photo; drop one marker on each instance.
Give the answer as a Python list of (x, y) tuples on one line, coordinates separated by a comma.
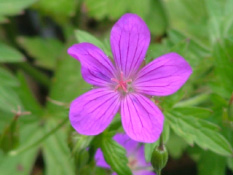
[(122, 83)]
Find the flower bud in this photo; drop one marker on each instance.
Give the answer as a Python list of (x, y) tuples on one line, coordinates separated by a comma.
[(159, 158)]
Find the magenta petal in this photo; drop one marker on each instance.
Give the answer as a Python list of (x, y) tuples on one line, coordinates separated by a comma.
[(163, 76), (130, 38), (141, 119), (97, 69), (140, 156), (143, 172), (129, 144), (92, 112), (99, 158)]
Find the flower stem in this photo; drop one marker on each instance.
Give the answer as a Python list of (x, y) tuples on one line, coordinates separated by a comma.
[(37, 142), (161, 144)]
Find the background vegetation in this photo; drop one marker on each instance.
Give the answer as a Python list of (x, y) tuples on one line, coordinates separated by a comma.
[(38, 80)]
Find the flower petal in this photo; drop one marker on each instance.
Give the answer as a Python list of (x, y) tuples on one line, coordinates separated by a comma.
[(97, 69), (92, 112), (129, 144), (163, 76), (141, 119), (99, 158), (130, 38), (140, 156), (143, 172)]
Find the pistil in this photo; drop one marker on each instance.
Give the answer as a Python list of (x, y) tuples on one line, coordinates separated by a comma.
[(121, 83)]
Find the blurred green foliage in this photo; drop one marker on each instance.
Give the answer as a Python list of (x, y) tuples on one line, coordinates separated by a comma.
[(38, 80)]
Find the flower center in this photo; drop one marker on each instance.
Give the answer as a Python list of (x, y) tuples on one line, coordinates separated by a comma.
[(122, 84), (132, 163)]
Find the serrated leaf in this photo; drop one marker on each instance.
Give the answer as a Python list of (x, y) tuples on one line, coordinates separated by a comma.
[(220, 19), (193, 50), (44, 51), (115, 155), (9, 54), (56, 152), (191, 21), (194, 111), (223, 64), (199, 131)]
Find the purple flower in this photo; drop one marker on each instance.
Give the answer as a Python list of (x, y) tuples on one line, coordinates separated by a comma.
[(135, 154), (122, 85)]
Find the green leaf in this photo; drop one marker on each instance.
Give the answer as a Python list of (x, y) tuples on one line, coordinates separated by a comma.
[(193, 100), (9, 138), (222, 54), (199, 131), (13, 7), (188, 20), (176, 146), (58, 9), (6, 118), (27, 98), (67, 84), (56, 152), (80, 144), (211, 163), (9, 54), (149, 148), (9, 100), (151, 11), (155, 50), (194, 111), (83, 36), (44, 51), (7, 78), (193, 50), (230, 163), (115, 155), (220, 19), (97, 9), (23, 163), (3, 19)]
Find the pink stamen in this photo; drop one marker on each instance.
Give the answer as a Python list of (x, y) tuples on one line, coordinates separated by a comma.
[(121, 83), (115, 80)]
